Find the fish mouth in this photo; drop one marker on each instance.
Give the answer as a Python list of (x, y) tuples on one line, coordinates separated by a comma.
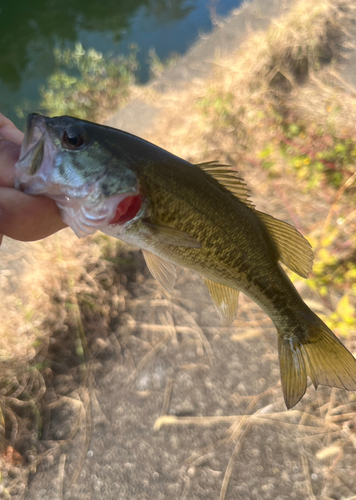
[(35, 128), (36, 157)]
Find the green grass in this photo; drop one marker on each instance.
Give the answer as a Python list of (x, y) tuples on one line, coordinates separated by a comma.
[(86, 84)]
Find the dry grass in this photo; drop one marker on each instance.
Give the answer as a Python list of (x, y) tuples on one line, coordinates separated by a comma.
[(71, 289), (288, 69), (329, 421), (36, 314)]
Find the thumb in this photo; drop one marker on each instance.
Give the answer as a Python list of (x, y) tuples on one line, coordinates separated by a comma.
[(28, 218), (9, 130)]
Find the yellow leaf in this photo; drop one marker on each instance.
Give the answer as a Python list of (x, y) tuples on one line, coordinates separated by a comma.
[(343, 306)]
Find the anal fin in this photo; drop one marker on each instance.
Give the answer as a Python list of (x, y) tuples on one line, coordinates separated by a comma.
[(225, 300), (163, 271)]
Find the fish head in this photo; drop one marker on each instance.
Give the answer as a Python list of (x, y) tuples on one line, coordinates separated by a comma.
[(76, 163)]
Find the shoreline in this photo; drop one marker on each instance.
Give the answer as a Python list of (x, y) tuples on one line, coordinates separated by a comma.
[(138, 116)]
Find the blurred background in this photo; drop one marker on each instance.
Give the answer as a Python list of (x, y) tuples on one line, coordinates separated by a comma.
[(149, 28)]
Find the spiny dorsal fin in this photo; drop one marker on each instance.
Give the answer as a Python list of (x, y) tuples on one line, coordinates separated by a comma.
[(225, 300), (229, 179), (163, 271), (294, 250)]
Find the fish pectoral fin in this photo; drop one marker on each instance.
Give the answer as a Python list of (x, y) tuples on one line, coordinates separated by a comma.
[(225, 300), (163, 271), (294, 250), (171, 235)]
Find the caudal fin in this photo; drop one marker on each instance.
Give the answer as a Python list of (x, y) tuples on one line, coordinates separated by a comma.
[(320, 355)]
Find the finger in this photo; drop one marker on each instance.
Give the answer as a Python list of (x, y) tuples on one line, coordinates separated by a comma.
[(9, 154), (28, 218), (8, 130)]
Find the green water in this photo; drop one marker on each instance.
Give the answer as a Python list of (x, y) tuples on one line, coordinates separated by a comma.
[(29, 31)]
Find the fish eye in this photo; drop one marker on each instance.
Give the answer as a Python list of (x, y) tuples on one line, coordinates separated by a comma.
[(72, 139)]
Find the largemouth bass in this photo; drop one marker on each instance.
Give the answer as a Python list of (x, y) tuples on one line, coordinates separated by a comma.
[(195, 216)]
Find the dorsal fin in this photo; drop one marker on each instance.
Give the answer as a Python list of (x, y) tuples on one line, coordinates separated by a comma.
[(229, 179), (225, 300), (294, 250)]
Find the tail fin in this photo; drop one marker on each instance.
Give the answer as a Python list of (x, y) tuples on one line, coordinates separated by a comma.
[(321, 355)]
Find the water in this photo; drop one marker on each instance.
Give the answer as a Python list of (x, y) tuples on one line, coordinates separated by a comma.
[(31, 29)]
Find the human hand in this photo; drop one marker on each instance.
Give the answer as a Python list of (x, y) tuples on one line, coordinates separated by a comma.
[(22, 217)]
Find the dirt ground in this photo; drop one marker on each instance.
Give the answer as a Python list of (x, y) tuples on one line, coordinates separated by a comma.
[(173, 405)]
